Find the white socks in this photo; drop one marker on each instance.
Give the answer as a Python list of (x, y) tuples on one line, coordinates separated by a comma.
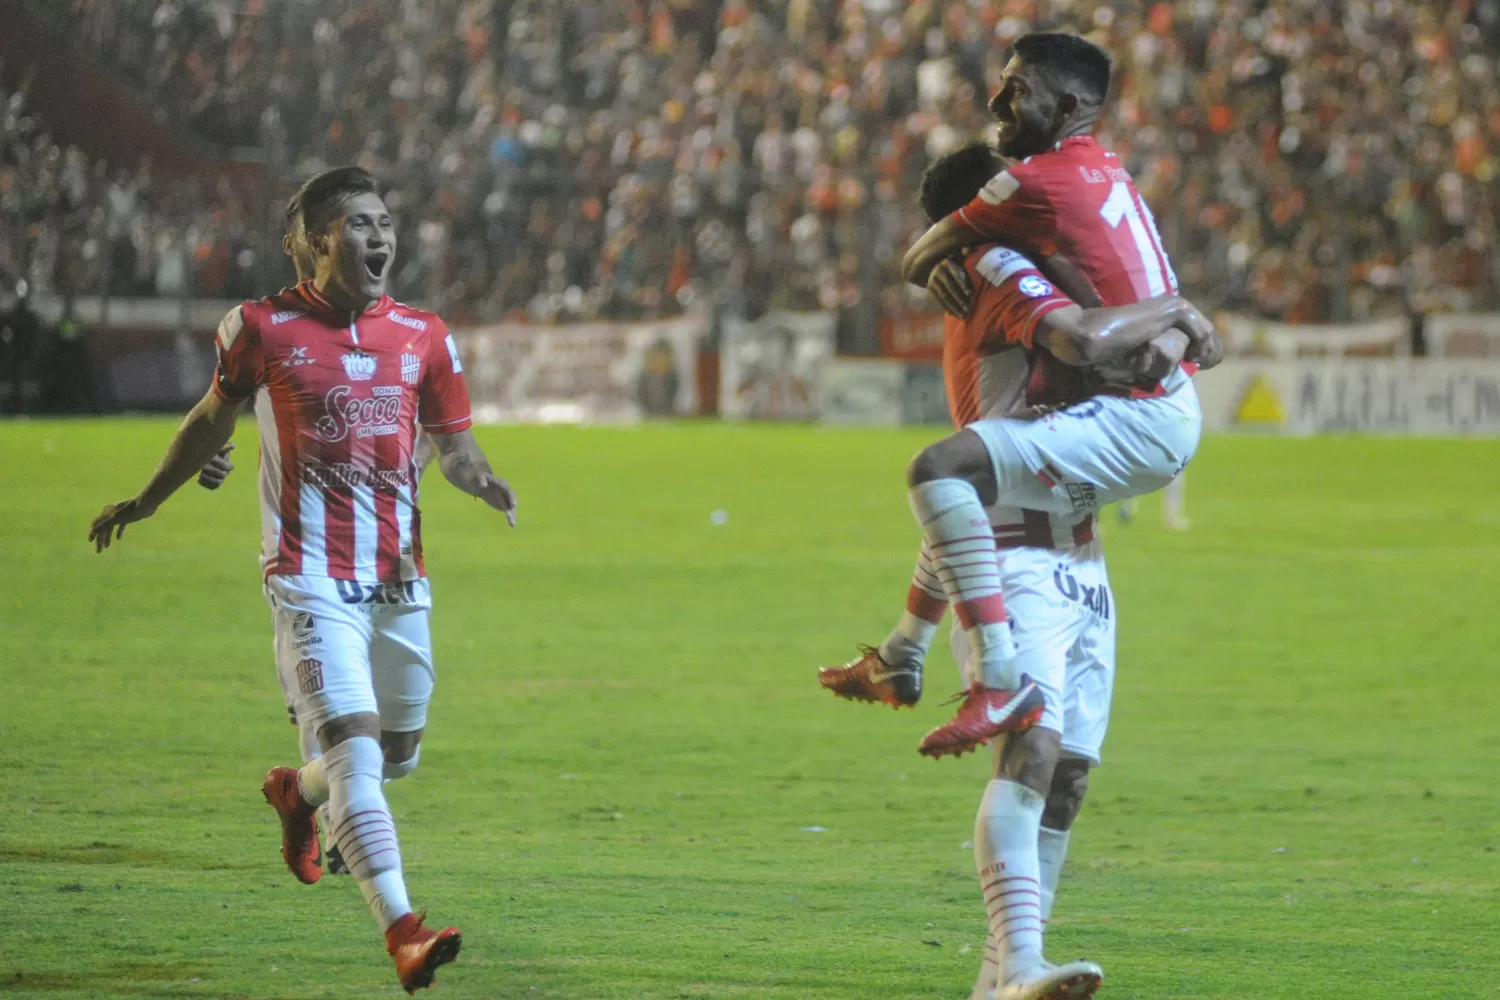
[(962, 545), (312, 782), (1005, 851), (1051, 851), (362, 826)]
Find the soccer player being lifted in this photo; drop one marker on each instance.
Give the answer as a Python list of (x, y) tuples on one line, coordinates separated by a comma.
[(346, 375), (218, 468)]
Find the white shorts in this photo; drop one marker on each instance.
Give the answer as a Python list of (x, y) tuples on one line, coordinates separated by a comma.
[(1063, 619), (344, 648), (1093, 453)]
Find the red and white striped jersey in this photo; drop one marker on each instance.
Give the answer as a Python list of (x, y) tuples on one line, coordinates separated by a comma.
[(341, 397), (1077, 200), (990, 369)]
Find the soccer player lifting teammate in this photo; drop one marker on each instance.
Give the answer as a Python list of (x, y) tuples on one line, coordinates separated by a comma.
[(346, 375), (1026, 340), (1067, 196)]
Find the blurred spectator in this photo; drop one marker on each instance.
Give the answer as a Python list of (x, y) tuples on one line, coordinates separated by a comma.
[(566, 159)]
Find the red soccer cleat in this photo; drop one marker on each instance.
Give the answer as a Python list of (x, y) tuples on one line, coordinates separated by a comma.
[(299, 824), (869, 678), (418, 951), (985, 714)]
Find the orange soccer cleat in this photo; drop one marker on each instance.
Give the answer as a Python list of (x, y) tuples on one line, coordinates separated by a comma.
[(418, 951), (985, 714), (869, 678), (299, 824)]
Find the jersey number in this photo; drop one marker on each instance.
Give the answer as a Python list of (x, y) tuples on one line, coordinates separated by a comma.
[(1120, 207)]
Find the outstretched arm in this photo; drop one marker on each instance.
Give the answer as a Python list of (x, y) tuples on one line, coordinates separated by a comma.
[(1078, 336), (207, 428), (942, 240), (464, 465)]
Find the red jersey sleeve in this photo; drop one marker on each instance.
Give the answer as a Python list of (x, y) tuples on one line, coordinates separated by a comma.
[(241, 362), (443, 401), (1013, 296), (1013, 208)]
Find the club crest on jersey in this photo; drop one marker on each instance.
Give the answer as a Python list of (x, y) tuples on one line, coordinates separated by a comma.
[(1033, 287), (411, 368), (359, 366), (310, 675)]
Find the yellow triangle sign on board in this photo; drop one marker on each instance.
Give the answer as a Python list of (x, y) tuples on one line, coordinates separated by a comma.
[(1260, 404)]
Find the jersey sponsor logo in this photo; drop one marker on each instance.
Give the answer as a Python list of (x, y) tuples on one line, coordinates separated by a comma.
[(303, 626), (411, 368), (327, 474), (278, 318), (374, 417), (458, 366), (409, 321), (310, 676), (297, 358), (359, 366), (1083, 496), (1000, 187), (351, 592), (1033, 287), (1096, 599)]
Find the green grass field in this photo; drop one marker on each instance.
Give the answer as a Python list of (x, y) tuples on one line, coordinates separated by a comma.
[(627, 744)]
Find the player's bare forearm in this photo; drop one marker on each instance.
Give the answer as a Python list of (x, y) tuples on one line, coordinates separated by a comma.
[(942, 240), (465, 466), (425, 452), (206, 429), (1078, 336)]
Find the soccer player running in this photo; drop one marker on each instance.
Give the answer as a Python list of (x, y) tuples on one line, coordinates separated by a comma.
[(218, 468), (346, 375), (1027, 341)]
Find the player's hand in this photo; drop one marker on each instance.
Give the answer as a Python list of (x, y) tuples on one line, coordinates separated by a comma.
[(497, 493), (110, 524), (217, 469), (949, 285), (1155, 361), (1208, 353), (1200, 333)]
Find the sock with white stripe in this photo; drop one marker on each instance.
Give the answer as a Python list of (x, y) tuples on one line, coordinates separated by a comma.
[(1005, 851), (925, 604), (1051, 852), (963, 555), (363, 828)]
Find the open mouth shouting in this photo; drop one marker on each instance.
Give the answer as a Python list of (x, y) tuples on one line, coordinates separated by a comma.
[(376, 264)]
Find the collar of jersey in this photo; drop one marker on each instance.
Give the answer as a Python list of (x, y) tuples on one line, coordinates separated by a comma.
[(1075, 139), (309, 293)]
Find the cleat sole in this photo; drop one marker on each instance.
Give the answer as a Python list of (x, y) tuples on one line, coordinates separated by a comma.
[(442, 953), (1080, 987)]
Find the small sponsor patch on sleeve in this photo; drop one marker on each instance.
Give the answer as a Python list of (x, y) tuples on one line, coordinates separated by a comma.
[(1000, 187), (1033, 287), (458, 365), (230, 327)]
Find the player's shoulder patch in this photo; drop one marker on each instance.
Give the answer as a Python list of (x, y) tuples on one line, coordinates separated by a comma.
[(231, 326), (1001, 186), (999, 264), (1034, 287), (458, 364)]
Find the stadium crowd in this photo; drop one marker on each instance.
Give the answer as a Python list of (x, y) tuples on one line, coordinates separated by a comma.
[(561, 159)]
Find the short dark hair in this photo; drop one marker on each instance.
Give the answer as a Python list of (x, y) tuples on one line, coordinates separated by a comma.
[(315, 202), (954, 179), (1073, 61)]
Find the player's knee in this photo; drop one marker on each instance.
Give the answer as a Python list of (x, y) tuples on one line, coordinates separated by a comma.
[(394, 769), (937, 461), (1070, 783), (401, 751), (346, 727), (1029, 758)]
